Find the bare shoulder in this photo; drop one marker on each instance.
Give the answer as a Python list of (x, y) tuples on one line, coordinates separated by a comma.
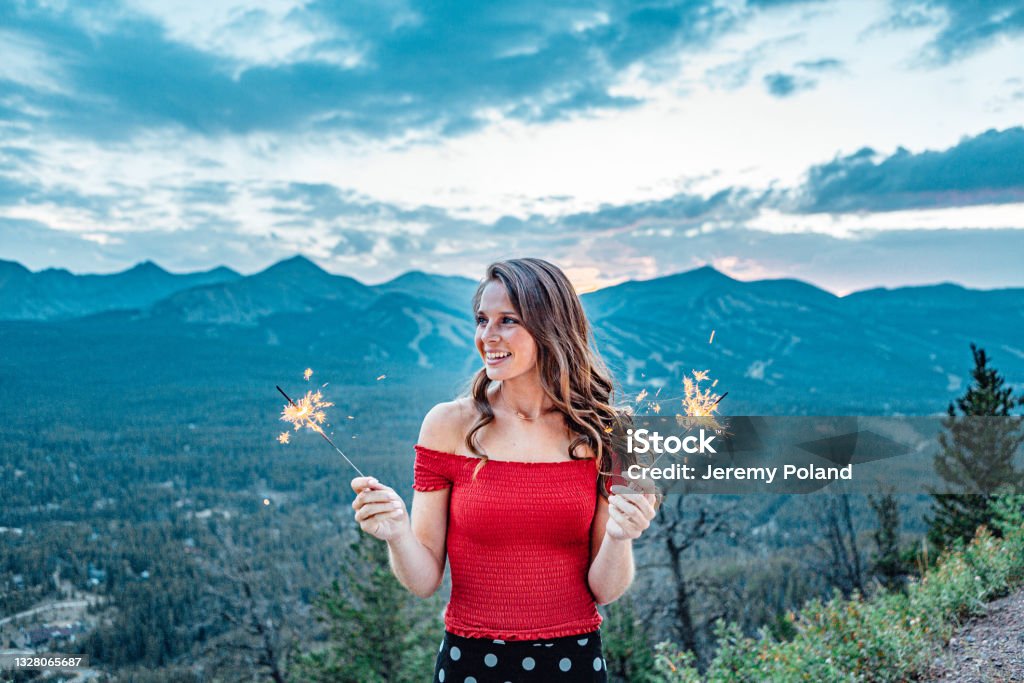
[(445, 426)]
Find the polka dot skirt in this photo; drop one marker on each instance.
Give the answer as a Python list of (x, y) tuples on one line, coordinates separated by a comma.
[(481, 660)]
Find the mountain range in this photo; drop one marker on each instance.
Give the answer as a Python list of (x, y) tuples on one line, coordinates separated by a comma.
[(55, 293), (778, 346)]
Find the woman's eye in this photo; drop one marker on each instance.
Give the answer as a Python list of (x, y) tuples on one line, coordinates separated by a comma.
[(505, 321)]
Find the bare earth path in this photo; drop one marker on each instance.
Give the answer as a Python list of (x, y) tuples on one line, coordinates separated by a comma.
[(54, 607), (987, 649)]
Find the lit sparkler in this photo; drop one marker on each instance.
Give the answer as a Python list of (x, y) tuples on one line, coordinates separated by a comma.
[(699, 402), (699, 405), (308, 412)]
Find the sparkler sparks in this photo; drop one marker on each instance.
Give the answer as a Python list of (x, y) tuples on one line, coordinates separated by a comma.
[(698, 402), (284, 437), (712, 337), (307, 374), (699, 405), (309, 413)]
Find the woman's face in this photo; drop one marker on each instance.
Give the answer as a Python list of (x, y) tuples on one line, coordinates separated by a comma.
[(505, 346)]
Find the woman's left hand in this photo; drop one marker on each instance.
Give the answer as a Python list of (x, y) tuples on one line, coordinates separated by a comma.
[(629, 513)]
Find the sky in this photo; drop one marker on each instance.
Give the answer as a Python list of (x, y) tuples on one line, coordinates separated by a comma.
[(850, 144)]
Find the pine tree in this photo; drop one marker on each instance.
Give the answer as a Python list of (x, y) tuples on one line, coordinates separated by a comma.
[(886, 562), (978, 450), (379, 633)]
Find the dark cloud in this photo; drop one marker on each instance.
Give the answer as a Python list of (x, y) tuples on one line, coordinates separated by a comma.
[(428, 67), (819, 65), (354, 243), (317, 200), (360, 243), (329, 203), (784, 85), (21, 188), (966, 26), (985, 169), (681, 211)]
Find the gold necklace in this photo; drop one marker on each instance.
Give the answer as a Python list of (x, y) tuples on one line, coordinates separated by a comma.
[(519, 414)]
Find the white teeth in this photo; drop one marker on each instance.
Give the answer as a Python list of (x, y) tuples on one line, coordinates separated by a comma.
[(494, 355)]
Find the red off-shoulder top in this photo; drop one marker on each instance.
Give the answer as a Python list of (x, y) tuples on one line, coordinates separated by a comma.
[(518, 544)]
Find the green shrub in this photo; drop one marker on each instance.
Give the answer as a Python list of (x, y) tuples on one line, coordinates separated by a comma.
[(890, 637)]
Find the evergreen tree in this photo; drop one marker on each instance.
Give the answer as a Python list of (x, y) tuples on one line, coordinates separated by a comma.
[(379, 633), (977, 456), (886, 562)]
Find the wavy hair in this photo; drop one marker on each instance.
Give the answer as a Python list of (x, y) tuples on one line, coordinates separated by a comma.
[(572, 373)]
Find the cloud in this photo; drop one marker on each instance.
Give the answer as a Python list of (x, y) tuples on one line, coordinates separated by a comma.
[(684, 210), (614, 243), (784, 85), (116, 70), (38, 245), (984, 169), (217, 193), (841, 265), (821, 65), (965, 27), (736, 73)]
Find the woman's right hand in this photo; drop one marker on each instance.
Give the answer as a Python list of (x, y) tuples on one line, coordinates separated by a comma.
[(379, 510)]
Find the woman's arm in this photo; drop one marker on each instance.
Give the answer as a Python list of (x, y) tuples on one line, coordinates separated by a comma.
[(617, 521), (416, 547), (611, 565), (418, 553)]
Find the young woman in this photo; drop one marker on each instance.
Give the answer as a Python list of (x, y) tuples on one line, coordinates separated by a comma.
[(512, 484)]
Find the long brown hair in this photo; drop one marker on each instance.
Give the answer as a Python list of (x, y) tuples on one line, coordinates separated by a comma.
[(572, 373)]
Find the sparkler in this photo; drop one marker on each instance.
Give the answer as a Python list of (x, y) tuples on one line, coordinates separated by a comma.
[(699, 405), (308, 413), (697, 402)]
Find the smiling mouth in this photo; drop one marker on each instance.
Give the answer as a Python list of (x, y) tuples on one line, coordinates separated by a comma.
[(497, 355)]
